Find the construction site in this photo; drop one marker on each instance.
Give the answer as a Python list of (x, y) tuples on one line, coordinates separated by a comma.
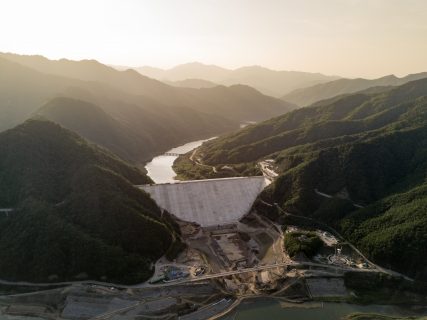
[(232, 253)]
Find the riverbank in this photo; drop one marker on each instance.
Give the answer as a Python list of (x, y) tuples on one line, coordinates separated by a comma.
[(274, 309), (160, 170)]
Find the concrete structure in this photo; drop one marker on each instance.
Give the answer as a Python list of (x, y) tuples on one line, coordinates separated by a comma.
[(85, 307), (208, 202), (6, 211)]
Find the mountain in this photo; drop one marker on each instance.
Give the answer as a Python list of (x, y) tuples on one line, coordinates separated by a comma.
[(318, 92), (142, 121), (269, 82), (128, 119), (76, 212), (366, 152), (275, 83), (133, 83), (132, 135), (239, 102), (192, 70), (94, 124), (192, 83)]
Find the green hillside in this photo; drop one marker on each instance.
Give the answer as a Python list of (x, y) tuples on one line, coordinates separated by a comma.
[(122, 116), (341, 118), (309, 95), (77, 215), (362, 150), (128, 109), (125, 135)]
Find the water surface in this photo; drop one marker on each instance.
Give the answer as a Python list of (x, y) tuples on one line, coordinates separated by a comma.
[(160, 168), (270, 309)]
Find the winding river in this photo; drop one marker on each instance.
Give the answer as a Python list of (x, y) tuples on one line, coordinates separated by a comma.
[(160, 171), (160, 168)]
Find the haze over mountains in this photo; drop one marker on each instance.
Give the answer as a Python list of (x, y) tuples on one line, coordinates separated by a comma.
[(269, 82), (193, 159), (364, 149), (138, 111), (309, 95), (299, 88), (363, 142)]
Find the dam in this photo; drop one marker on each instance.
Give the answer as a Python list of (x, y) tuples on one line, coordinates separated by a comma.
[(209, 202)]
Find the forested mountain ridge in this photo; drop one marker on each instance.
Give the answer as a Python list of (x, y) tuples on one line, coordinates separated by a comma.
[(340, 117), (154, 127), (193, 83), (131, 133), (134, 83), (366, 150), (309, 95), (76, 212), (270, 82), (140, 111)]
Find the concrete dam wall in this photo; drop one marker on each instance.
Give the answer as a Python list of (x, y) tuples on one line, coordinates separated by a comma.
[(208, 202)]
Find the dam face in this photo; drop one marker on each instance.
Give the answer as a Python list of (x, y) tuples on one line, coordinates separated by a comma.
[(210, 202)]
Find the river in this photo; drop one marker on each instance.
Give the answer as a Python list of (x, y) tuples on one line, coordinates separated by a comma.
[(255, 309), (160, 168), (160, 171)]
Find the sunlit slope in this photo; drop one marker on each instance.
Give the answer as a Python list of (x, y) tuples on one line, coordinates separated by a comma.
[(360, 150), (307, 96), (145, 126), (76, 213), (339, 118)]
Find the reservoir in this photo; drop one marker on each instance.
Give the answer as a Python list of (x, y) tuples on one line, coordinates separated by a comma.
[(160, 168), (255, 309), (160, 171)]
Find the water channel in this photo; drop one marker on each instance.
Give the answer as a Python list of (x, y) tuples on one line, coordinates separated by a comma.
[(160, 168), (160, 171)]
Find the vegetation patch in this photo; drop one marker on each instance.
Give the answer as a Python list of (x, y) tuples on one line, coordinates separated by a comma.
[(77, 215), (356, 163), (188, 169), (302, 242)]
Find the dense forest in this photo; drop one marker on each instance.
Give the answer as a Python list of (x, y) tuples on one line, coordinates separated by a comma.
[(76, 212), (367, 152), (298, 242)]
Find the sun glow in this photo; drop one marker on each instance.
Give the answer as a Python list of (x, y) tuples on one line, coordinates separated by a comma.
[(345, 37)]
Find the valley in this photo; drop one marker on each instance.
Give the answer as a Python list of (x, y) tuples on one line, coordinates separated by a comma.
[(160, 170), (213, 160), (222, 267)]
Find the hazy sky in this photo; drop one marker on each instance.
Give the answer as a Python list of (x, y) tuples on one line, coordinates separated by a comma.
[(366, 38)]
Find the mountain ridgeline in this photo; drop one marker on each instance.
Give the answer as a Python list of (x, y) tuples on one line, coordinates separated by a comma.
[(76, 214), (367, 152), (318, 92), (132, 115), (269, 82)]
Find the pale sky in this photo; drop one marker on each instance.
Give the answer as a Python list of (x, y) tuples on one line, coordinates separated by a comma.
[(367, 38)]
